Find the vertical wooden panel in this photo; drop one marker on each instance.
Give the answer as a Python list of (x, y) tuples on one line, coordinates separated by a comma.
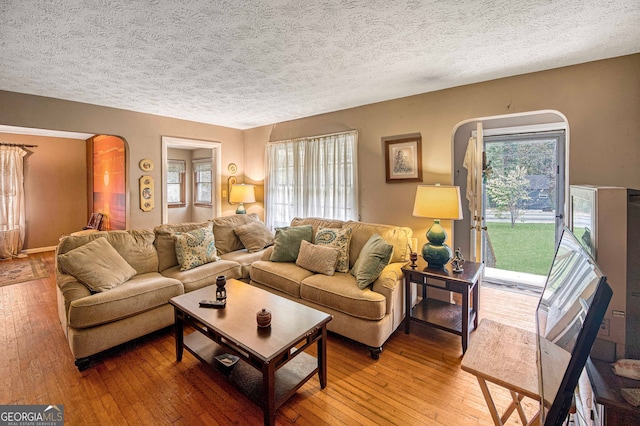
[(109, 180)]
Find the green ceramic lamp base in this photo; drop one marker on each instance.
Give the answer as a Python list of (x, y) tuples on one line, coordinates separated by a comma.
[(435, 252), (241, 209)]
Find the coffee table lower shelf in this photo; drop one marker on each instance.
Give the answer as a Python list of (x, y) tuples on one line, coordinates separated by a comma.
[(288, 379)]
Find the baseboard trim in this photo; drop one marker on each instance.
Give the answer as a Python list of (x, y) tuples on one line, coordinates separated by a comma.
[(39, 250)]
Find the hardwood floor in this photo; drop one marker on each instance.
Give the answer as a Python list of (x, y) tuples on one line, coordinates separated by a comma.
[(416, 381)]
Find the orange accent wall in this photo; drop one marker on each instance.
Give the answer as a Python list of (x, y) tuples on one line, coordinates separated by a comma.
[(109, 181)]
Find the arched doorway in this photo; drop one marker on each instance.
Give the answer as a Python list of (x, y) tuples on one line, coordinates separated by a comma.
[(511, 139), (107, 186)]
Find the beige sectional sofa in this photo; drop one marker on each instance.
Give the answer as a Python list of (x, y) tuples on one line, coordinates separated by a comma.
[(95, 321), (368, 315), (148, 267)]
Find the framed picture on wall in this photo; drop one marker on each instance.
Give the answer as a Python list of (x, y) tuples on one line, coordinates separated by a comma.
[(403, 158)]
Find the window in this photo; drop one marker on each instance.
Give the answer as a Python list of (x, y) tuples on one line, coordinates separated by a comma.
[(175, 183), (202, 182), (312, 177)]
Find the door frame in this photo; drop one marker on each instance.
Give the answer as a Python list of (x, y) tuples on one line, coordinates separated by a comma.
[(216, 164), (531, 121)]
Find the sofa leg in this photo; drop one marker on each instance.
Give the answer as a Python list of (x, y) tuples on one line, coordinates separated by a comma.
[(375, 352), (83, 363)]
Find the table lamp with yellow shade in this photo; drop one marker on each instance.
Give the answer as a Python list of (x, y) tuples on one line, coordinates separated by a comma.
[(439, 203), (242, 193)]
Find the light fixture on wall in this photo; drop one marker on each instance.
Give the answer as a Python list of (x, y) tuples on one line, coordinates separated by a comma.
[(242, 194), (437, 202)]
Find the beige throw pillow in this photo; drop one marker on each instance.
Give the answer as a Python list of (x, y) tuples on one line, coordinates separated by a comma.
[(226, 240), (97, 265), (315, 258), (254, 236)]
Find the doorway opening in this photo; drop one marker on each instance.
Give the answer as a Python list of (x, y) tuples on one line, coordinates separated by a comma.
[(527, 153), (523, 200), (199, 179)]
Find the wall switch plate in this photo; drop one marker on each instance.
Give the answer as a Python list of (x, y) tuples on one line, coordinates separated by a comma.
[(604, 327)]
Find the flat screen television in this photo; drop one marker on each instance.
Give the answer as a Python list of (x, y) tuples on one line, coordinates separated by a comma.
[(568, 317)]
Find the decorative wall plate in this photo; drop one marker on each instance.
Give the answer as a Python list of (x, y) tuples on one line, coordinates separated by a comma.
[(146, 165), (232, 168), (146, 193)]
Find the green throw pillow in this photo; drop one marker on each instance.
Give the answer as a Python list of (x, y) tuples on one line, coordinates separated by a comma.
[(195, 248), (373, 257), (97, 265), (286, 244)]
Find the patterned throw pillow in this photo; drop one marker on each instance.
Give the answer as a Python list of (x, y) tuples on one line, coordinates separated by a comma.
[(317, 258), (340, 239), (195, 248)]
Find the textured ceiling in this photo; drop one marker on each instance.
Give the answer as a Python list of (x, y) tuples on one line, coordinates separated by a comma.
[(245, 63)]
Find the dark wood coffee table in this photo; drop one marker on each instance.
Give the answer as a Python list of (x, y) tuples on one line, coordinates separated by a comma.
[(273, 364)]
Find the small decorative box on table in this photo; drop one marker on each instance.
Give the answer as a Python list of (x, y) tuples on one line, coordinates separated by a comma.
[(437, 313)]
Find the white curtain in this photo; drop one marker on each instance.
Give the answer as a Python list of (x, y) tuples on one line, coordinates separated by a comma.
[(311, 177), (12, 210)]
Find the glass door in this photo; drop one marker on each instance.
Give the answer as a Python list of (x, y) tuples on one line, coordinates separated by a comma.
[(523, 204)]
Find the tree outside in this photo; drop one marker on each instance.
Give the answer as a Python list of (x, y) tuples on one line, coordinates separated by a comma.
[(509, 192)]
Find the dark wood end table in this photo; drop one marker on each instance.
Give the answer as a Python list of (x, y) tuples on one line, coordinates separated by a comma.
[(440, 314), (273, 364)]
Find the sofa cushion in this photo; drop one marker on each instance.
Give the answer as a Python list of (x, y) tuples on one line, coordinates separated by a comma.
[(244, 258), (283, 276), (195, 248), (141, 293), (166, 244), (136, 246), (341, 293), (97, 265), (286, 243), (399, 237), (338, 238), (254, 236), (374, 256), (315, 258), (317, 223), (226, 239), (204, 275)]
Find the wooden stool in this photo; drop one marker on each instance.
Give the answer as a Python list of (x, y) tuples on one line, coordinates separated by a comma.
[(504, 355)]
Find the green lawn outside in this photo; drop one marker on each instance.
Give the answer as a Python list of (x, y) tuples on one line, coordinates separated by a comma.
[(527, 247)]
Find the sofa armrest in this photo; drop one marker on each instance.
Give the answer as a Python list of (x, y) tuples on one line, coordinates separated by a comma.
[(71, 289), (266, 254), (390, 285), (388, 279)]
